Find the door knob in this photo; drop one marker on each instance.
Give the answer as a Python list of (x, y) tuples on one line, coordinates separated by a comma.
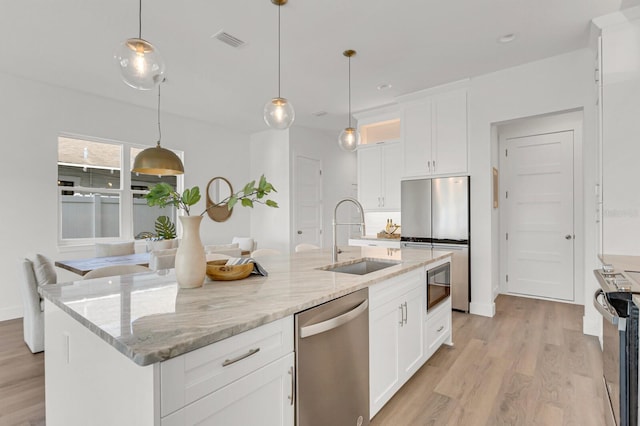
[(299, 232), (567, 237)]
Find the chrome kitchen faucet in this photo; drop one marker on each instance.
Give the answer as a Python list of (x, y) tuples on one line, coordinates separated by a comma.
[(335, 250)]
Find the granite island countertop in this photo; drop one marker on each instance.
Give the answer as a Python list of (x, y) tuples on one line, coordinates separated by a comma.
[(148, 319)]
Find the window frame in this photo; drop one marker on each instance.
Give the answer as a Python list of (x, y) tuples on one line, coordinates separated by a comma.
[(126, 218)]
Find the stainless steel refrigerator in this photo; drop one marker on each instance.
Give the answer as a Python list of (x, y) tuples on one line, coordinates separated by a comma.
[(435, 214)]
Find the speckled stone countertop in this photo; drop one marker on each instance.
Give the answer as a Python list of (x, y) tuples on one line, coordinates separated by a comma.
[(148, 319)]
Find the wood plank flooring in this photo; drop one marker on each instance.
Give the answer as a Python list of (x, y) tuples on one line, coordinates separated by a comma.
[(529, 365), (21, 379)]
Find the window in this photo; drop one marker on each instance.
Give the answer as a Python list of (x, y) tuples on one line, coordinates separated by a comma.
[(97, 200)]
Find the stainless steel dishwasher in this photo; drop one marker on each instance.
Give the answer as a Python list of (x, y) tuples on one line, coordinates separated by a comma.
[(332, 362)]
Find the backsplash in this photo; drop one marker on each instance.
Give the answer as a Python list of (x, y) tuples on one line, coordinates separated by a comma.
[(376, 221)]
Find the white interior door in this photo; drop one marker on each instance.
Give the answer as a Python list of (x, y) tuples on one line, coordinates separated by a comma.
[(308, 206), (539, 214)]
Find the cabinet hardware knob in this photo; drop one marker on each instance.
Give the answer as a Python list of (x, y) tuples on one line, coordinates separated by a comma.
[(440, 329)]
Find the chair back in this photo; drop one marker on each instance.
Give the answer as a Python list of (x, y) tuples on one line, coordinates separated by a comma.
[(110, 271), (115, 249), (265, 252), (33, 305), (231, 250), (305, 247), (162, 259), (245, 243)]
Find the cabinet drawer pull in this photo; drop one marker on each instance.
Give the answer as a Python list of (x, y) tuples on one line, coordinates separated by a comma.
[(440, 329), (240, 357), (401, 307), (293, 386)]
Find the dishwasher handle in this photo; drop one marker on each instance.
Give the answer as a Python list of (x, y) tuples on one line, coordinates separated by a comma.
[(334, 322), (606, 310)]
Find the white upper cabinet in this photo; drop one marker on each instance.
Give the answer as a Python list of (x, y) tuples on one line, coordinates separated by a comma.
[(435, 135), (380, 160), (379, 173)]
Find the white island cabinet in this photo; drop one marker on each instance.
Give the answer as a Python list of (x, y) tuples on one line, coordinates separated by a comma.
[(137, 350), (396, 346), (245, 379)]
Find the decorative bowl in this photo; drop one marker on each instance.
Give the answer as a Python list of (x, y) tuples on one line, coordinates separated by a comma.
[(217, 270)]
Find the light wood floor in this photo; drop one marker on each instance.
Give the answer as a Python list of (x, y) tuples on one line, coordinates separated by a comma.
[(529, 365), (21, 378)]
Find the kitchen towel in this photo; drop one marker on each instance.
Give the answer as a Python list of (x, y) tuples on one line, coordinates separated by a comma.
[(257, 268)]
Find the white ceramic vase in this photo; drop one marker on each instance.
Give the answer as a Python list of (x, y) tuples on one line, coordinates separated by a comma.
[(191, 262)]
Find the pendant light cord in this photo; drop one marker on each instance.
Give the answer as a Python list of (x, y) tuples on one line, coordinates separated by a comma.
[(349, 91), (279, 78), (140, 19), (159, 129)]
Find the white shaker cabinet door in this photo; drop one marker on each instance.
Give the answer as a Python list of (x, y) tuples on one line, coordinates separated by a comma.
[(264, 397), (449, 148), (384, 335), (392, 163), (417, 136), (370, 177), (411, 345)]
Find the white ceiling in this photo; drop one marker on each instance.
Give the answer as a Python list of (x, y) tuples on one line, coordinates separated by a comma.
[(410, 44)]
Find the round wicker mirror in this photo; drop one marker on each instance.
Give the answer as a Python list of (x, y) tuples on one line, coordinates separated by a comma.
[(218, 189)]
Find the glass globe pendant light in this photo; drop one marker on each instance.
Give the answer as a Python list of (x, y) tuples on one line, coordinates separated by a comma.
[(278, 112), (349, 138), (157, 160), (140, 63)]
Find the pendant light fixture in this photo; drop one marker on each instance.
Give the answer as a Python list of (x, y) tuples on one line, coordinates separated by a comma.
[(278, 112), (157, 160), (350, 137), (139, 61)]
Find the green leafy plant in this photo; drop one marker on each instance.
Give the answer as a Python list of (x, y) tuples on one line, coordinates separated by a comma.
[(162, 195), (165, 228)]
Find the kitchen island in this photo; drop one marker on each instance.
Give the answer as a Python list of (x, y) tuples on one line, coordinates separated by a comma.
[(160, 329)]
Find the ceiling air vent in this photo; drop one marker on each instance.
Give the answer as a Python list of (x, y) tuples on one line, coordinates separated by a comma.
[(227, 38)]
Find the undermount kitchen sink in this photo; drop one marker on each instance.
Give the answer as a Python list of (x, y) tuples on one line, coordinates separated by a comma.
[(360, 267)]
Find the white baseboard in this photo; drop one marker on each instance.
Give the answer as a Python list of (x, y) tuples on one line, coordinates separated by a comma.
[(484, 309), (11, 313)]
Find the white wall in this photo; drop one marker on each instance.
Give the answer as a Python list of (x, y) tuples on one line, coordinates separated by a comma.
[(554, 84), (338, 174), (32, 115), (270, 155)]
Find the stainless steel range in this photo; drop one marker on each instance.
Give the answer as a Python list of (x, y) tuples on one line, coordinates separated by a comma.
[(619, 344)]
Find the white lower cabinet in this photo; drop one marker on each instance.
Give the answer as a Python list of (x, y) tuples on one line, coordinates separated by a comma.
[(243, 380), (264, 397), (396, 347)]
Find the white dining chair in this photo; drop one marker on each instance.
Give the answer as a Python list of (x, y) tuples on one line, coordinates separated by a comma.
[(265, 252), (305, 247), (232, 250), (162, 259), (36, 272), (110, 271), (115, 249), (245, 243)]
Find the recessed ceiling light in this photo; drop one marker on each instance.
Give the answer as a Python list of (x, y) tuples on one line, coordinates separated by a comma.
[(384, 86), (507, 38)]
